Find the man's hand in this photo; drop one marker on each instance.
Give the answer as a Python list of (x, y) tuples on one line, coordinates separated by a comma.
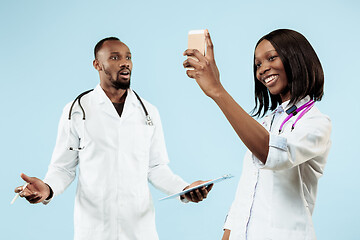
[(36, 191), (198, 194)]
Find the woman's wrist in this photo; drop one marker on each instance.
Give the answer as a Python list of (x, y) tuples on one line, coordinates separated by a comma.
[(217, 94)]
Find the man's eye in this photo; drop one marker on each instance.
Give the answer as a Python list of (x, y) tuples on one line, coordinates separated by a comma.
[(114, 57), (128, 58)]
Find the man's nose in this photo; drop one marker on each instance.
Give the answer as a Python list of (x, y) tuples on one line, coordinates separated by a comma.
[(124, 64)]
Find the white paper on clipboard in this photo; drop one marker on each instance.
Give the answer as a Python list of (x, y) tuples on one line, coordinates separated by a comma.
[(224, 177)]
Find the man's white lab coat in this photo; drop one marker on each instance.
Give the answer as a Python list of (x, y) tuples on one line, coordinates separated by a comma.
[(120, 156)]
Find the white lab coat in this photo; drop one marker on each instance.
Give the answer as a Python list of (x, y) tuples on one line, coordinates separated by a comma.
[(276, 200), (121, 155)]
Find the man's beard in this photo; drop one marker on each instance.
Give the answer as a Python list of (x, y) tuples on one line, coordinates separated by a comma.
[(118, 83)]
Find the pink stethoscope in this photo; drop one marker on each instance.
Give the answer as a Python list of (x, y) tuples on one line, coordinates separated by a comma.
[(294, 111)]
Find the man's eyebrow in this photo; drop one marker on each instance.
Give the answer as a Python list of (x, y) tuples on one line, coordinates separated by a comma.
[(118, 53)]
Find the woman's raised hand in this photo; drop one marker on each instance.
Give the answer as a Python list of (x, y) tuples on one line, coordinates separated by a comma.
[(205, 71)]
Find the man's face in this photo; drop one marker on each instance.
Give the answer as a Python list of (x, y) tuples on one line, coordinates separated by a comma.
[(114, 64)]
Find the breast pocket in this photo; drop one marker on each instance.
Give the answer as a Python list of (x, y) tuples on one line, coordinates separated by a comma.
[(135, 141), (136, 155), (141, 139)]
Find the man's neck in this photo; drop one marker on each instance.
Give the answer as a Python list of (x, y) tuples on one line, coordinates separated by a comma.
[(115, 95)]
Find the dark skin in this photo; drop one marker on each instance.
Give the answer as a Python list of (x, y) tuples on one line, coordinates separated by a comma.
[(36, 191), (199, 194), (114, 64), (113, 59), (206, 74), (270, 71)]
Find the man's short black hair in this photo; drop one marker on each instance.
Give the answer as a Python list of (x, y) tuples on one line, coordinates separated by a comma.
[(101, 42)]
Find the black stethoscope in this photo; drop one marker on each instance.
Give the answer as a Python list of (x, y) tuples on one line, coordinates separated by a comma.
[(148, 121)]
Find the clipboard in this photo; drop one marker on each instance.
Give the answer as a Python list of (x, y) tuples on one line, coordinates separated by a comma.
[(224, 177)]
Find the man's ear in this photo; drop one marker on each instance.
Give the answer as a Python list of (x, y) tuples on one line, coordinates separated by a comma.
[(97, 65)]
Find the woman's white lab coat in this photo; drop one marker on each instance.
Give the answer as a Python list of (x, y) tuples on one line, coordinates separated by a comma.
[(275, 200), (120, 156)]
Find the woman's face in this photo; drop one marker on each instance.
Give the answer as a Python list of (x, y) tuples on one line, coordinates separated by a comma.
[(270, 70)]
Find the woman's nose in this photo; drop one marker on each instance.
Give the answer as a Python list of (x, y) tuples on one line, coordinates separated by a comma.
[(263, 69)]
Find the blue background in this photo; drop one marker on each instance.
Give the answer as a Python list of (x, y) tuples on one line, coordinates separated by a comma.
[(46, 52)]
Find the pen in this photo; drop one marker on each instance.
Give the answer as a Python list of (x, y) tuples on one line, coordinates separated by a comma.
[(18, 194)]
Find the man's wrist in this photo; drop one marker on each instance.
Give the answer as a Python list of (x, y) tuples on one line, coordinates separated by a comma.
[(183, 197), (51, 194)]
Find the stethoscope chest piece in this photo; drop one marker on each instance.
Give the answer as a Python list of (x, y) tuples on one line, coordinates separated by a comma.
[(149, 121)]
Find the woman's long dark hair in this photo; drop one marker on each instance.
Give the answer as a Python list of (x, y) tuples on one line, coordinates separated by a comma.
[(302, 66)]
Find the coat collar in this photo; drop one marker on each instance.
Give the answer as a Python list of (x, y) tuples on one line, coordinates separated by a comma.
[(285, 105), (102, 99)]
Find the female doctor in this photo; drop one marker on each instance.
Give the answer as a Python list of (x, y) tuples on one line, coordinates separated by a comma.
[(287, 152)]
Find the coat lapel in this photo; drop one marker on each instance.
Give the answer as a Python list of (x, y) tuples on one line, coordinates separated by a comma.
[(131, 103), (104, 102), (107, 107)]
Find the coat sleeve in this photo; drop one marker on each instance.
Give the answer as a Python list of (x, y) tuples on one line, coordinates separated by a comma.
[(310, 140), (159, 174), (62, 168)]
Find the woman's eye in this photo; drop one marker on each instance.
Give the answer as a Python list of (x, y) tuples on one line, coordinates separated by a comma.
[(272, 58), (257, 65)]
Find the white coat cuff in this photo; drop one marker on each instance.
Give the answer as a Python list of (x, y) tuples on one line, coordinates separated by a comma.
[(227, 223), (45, 202), (184, 200), (277, 145)]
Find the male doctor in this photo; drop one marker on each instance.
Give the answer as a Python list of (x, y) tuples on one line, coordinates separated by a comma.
[(117, 154)]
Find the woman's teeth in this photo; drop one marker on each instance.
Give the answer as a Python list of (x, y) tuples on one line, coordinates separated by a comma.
[(268, 79)]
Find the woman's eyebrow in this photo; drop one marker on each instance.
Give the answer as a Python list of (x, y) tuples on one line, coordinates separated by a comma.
[(256, 57)]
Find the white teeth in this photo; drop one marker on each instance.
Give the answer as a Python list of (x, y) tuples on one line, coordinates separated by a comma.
[(268, 79)]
